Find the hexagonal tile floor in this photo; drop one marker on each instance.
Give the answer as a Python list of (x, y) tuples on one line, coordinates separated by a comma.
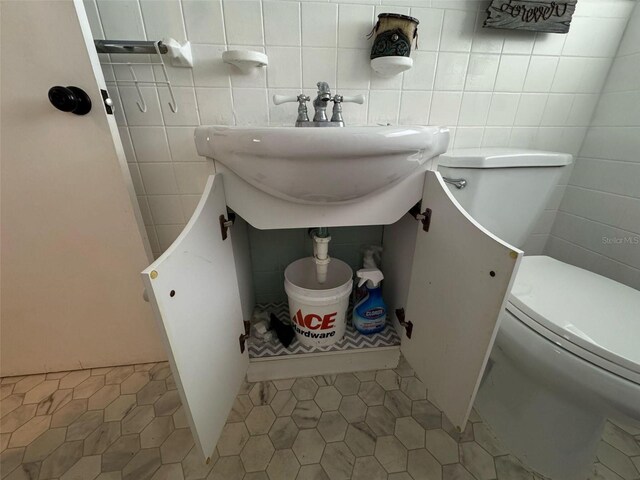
[(126, 423)]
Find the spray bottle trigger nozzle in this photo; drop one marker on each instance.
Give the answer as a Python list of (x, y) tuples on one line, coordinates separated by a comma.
[(372, 275)]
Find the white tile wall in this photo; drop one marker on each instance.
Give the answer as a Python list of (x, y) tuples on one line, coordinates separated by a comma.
[(598, 224), (492, 87)]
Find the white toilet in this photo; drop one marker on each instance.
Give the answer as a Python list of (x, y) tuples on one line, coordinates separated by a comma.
[(567, 354)]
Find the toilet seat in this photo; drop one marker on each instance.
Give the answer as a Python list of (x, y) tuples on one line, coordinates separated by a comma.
[(586, 314)]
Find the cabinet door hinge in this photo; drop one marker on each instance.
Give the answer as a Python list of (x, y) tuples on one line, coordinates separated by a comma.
[(408, 325), (424, 217), (225, 224), (245, 336)]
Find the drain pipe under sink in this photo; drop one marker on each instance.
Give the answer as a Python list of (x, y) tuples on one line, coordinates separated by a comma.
[(321, 239)]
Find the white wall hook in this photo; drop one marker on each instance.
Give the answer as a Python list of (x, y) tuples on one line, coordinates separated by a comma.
[(245, 60), (179, 54)]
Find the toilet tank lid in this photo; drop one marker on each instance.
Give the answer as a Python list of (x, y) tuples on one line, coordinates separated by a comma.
[(502, 158)]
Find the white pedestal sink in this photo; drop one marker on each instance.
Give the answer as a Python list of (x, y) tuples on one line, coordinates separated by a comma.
[(280, 177)]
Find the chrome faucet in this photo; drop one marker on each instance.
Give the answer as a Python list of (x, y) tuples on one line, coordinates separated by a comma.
[(320, 103)]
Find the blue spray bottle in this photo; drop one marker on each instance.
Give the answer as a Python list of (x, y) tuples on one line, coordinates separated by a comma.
[(370, 313)]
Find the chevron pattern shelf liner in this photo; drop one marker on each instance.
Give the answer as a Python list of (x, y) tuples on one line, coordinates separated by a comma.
[(352, 338)]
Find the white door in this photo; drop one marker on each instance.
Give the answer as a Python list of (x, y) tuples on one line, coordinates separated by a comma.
[(193, 288), (460, 280), (72, 244)]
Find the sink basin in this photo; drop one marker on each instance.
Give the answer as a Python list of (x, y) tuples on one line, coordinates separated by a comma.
[(322, 165)]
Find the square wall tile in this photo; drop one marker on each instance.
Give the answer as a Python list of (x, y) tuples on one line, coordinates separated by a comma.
[(503, 109), (496, 137), (624, 73), (285, 114), (281, 23), (354, 24), (482, 71), (557, 109), (208, 68), (162, 19), (204, 21), (182, 144), (192, 177), (523, 137), (518, 42), (457, 31), (475, 108), (580, 75), (318, 64), (414, 108), (512, 73), (167, 235), (354, 69), (130, 101), (150, 144), (158, 178), (122, 19), (166, 209), (582, 109), (353, 113), (215, 106), (430, 28), (451, 71), (549, 44), (378, 82), (383, 107), (243, 22), (250, 106), (584, 30), (445, 107), (530, 109), (486, 40), (319, 24), (422, 75), (285, 67), (540, 74), (468, 137), (185, 103), (189, 204)]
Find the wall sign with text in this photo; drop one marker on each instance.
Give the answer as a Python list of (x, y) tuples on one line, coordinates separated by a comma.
[(534, 15)]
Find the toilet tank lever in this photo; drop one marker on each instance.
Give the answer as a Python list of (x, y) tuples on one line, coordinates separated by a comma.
[(459, 183)]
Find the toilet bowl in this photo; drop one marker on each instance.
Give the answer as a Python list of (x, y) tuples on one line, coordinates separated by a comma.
[(566, 358), (567, 352)]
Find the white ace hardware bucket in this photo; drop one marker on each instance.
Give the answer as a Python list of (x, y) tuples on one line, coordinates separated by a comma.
[(318, 311)]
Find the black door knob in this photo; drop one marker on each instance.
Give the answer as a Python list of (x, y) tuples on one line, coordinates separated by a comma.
[(70, 99)]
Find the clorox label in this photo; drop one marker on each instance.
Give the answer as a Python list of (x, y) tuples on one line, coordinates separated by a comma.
[(375, 313)]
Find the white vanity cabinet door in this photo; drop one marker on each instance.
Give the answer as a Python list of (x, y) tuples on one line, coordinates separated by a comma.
[(460, 280), (194, 293)]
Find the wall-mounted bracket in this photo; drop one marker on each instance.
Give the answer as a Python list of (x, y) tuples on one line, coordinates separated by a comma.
[(245, 336), (407, 324), (225, 224), (424, 217)]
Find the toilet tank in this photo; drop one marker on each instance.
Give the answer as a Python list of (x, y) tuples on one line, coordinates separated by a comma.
[(506, 188)]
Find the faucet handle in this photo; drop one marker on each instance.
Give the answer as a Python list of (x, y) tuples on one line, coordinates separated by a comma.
[(350, 99), (280, 99)]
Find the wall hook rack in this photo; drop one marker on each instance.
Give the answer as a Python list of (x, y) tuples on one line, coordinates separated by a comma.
[(157, 48)]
